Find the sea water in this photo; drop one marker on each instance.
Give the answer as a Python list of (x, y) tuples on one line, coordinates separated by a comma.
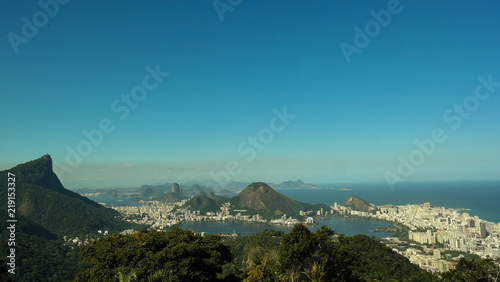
[(479, 198)]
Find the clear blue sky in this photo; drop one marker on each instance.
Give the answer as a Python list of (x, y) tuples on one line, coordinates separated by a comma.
[(353, 119)]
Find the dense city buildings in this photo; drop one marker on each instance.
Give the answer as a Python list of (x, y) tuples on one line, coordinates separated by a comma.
[(432, 232)]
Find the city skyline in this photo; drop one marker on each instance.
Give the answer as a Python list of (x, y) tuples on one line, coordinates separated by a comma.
[(340, 92)]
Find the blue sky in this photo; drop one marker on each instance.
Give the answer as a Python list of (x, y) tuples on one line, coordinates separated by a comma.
[(227, 78)]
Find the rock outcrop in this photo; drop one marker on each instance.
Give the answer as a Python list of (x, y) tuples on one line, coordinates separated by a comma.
[(359, 204), (176, 189)]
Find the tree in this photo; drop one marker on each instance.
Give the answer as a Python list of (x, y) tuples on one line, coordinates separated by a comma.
[(177, 255), (307, 256), (487, 270)]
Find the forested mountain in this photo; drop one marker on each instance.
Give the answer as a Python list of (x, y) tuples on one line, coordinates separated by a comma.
[(40, 255), (261, 198), (45, 212), (300, 255), (206, 202), (42, 198)]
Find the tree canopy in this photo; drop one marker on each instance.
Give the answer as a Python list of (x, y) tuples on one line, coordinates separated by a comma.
[(487, 270), (176, 255), (307, 256)]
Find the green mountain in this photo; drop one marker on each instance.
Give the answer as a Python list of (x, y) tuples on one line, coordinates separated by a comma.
[(206, 202), (41, 198), (263, 199), (40, 254), (369, 259), (378, 262)]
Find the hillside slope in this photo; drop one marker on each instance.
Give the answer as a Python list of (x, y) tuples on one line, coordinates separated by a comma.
[(42, 198), (260, 197), (206, 202)]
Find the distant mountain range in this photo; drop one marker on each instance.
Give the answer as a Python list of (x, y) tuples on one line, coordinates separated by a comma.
[(174, 192)]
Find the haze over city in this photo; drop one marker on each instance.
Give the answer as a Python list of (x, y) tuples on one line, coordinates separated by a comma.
[(124, 94)]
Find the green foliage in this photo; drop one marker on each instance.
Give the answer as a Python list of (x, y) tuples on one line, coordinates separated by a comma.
[(378, 261), (124, 276), (473, 270), (306, 256), (4, 275), (302, 255), (178, 255), (206, 202), (319, 256), (249, 250), (42, 198), (259, 198), (455, 254), (40, 255)]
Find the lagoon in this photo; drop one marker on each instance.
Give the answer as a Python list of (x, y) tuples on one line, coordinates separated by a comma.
[(348, 226)]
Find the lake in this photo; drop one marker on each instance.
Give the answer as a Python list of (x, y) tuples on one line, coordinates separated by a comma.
[(347, 226)]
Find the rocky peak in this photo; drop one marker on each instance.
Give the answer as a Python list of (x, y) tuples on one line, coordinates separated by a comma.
[(359, 204), (176, 189)]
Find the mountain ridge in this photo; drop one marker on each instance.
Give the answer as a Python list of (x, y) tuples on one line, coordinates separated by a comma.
[(41, 198)]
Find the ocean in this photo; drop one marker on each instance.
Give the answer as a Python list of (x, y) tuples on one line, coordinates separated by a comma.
[(481, 198)]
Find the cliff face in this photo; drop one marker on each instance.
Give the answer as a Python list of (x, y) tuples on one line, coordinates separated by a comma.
[(359, 204), (176, 189)]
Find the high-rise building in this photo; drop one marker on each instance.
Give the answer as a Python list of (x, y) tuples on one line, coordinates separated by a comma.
[(472, 223), (482, 229)]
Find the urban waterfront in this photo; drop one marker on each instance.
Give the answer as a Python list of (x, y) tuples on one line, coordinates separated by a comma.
[(430, 232), (479, 198)]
